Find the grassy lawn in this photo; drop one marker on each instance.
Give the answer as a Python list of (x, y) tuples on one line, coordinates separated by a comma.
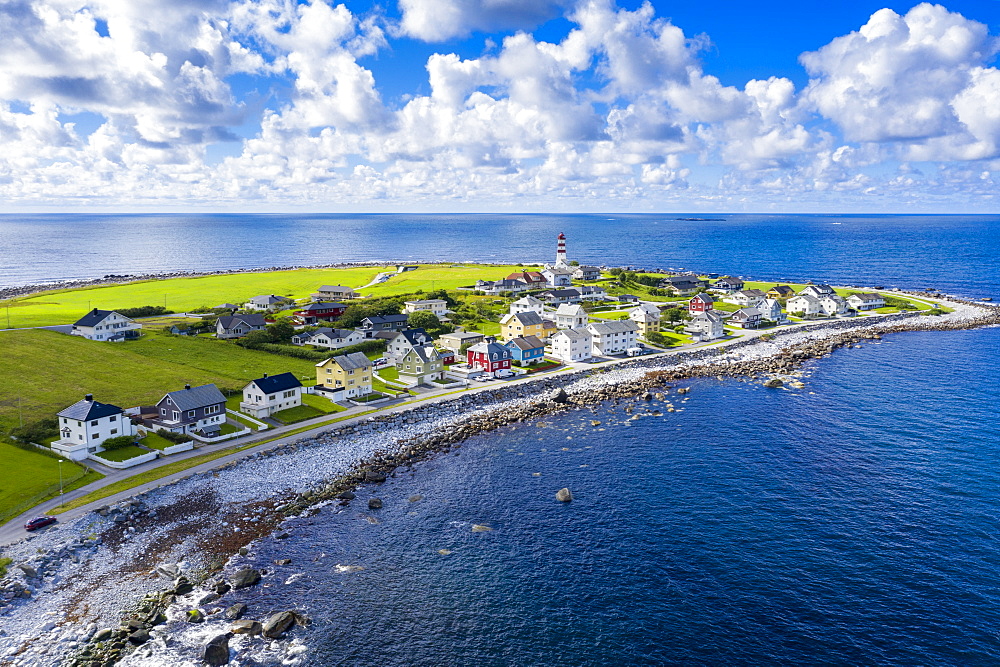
[(726, 307), (324, 405), (153, 441), (179, 294), (28, 478), (123, 454), (438, 276), (228, 428), (610, 315), (389, 373), (297, 414), (486, 328)]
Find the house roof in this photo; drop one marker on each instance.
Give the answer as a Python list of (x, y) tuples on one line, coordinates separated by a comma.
[(196, 397), (490, 347), (425, 353), (570, 309), (322, 305), (782, 289), (627, 297), (704, 298), (747, 313), (462, 335), (527, 319), (334, 288), (527, 276), (612, 326), (729, 279), (752, 292), (558, 293), (251, 320), (413, 336), (424, 302), (270, 384), (868, 296), (709, 315), (587, 269), (268, 299), (93, 318), (558, 270), (350, 362), (526, 343), (89, 409), (528, 301), (800, 295), (226, 306), (386, 319), (333, 333), (575, 334)]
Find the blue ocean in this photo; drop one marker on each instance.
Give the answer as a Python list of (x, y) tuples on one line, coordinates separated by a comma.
[(855, 521)]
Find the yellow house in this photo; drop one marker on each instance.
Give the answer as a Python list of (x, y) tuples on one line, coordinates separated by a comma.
[(517, 325), (349, 375), (647, 321)]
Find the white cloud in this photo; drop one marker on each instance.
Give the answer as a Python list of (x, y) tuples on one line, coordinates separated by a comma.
[(438, 20)]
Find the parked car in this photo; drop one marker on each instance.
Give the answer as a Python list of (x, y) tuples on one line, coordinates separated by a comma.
[(380, 362), (39, 522), (504, 373)]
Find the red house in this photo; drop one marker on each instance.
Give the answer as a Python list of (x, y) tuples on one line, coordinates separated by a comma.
[(701, 303), (447, 357), (322, 310), (489, 356), (531, 278)]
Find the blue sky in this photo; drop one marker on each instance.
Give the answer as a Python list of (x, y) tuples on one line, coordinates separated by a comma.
[(508, 105)]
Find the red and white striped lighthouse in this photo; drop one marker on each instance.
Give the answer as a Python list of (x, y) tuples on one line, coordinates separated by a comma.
[(561, 250)]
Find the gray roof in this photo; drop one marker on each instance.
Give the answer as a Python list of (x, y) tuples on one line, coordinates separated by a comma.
[(269, 299), (334, 288), (89, 409), (463, 335), (747, 313), (250, 319), (93, 318), (805, 296), (570, 291), (272, 383), (352, 361), (413, 336), (570, 309), (613, 326), (527, 318), (868, 296), (196, 397), (333, 333), (386, 319), (526, 343), (427, 353), (709, 315), (575, 334), (322, 305)]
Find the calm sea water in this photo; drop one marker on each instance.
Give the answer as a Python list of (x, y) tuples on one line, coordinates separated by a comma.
[(959, 254), (852, 522)]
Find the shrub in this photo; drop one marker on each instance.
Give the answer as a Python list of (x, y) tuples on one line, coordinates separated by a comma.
[(176, 438), (118, 442), (36, 431), (144, 311)]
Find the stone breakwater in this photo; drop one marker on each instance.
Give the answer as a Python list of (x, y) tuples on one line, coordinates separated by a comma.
[(93, 591)]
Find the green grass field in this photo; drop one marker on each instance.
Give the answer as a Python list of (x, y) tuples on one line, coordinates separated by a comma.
[(297, 414), (177, 294), (437, 276), (154, 441), (122, 454), (27, 478)]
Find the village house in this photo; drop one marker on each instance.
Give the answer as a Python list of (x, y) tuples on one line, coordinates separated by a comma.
[(497, 287), (707, 325), (646, 319), (438, 307), (701, 303), (727, 284), (269, 394), (748, 298), (816, 291), (591, 292), (612, 337), (533, 279), (404, 341), (527, 304), (515, 325), (555, 297), (557, 277), (373, 325), (804, 305), (457, 340), (345, 376), (625, 298), (192, 410), (527, 350), (331, 339), (422, 364), (321, 310), (237, 326), (85, 425), (571, 345), (107, 326), (747, 318), (267, 302), (489, 356), (682, 285), (780, 292), (865, 301), (770, 309), (570, 316), (587, 273), (333, 293), (833, 305), (548, 328)]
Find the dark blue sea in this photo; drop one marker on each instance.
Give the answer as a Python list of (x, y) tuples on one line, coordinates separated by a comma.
[(958, 254)]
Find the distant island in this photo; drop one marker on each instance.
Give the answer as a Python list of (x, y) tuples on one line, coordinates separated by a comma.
[(701, 219)]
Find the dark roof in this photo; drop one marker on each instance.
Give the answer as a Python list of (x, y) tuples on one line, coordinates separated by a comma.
[(196, 397), (491, 347), (322, 305), (352, 361), (564, 292), (333, 333), (250, 319), (528, 318), (387, 319), (526, 343), (413, 336), (270, 384), (84, 410), (707, 298), (93, 318), (782, 289)]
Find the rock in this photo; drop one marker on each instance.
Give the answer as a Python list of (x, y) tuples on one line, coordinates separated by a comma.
[(222, 588), (236, 611), (194, 616), (104, 634), (559, 396), (346, 495), (246, 578), (139, 637), (774, 383), (247, 627), (595, 422), (564, 495), (217, 651), (372, 476), (29, 571), (283, 561), (183, 587), (243, 551), (415, 498), (444, 552), (208, 598), (169, 571), (374, 503), (278, 624), (480, 528)]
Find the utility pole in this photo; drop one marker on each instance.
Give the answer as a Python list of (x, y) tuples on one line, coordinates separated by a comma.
[(60, 482)]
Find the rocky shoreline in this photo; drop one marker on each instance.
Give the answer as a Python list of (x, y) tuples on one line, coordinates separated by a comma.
[(199, 532)]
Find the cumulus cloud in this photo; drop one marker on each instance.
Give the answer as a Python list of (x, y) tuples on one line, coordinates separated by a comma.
[(438, 20)]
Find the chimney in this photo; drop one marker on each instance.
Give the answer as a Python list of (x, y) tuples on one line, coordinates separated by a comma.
[(265, 376), (89, 397), (187, 386)]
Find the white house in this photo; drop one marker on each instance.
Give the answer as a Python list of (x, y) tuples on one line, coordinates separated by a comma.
[(404, 341), (771, 310), (331, 339), (748, 298), (267, 302), (865, 301), (833, 304), (437, 306), (571, 316), (106, 325), (816, 291), (803, 304), (495, 287), (455, 341), (612, 337), (556, 276), (706, 326), (571, 345), (587, 273), (85, 425), (526, 303), (265, 396)]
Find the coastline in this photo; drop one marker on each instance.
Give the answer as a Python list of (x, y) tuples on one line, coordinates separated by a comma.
[(132, 539)]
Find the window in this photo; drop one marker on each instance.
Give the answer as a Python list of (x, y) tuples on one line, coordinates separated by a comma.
[(93, 423), (272, 397), (114, 418), (113, 431), (65, 421), (163, 411), (177, 415), (95, 436)]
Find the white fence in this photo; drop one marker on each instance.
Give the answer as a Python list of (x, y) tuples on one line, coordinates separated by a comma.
[(127, 463), (177, 449)]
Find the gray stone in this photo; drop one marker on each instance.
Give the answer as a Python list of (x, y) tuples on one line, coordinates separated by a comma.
[(246, 578), (374, 503), (139, 637), (29, 571), (372, 476), (563, 495), (346, 495), (236, 611), (169, 571), (246, 627), (278, 624), (194, 616), (774, 383), (103, 634), (559, 396), (217, 651)]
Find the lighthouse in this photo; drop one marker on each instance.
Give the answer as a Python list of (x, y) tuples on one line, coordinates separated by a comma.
[(561, 251)]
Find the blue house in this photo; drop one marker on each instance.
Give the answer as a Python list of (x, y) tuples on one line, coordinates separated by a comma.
[(527, 349)]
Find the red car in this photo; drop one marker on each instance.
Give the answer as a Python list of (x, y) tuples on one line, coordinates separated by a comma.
[(40, 522)]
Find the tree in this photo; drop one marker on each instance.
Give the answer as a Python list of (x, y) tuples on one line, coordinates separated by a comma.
[(673, 315), (281, 331), (574, 263), (428, 321), (616, 271), (256, 337), (656, 338)]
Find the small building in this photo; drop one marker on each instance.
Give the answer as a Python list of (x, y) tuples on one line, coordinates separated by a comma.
[(527, 303), (226, 306), (497, 287), (548, 328), (268, 302), (107, 326), (866, 301), (804, 305), (748, 298), (591, 292), (375, 324), (626, 298), (571, 345), (437, 306), (533, 279), (521, 324), (237, 326), (701, 303), (747, 318), (333, 293), (527, 350), (612, 337), (192, 410), (331, 339), (587, 273), (817, 291), (682, 285), (85, 425), (457, 340), (558, 276), (780, 292), (707, 325), (320, 310), (647, 321), (404, 341), (833, 305), (558, 296), (345, 376), (571, 316), (181, 331), (422, 364), (269, 394), (770, 309), (489, 356), (447, 357), (727, 284)]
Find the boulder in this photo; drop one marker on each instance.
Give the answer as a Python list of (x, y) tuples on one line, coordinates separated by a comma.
[(559, 396), (217, 651), (29, 572), (774, 383), (194, 616), (183, 587), (372, 476), (236, 611), (103, 634), (374, 503), (247, 627), (480, 528), (346, 495), (278, 623), (139, 637), (169, 571), (246, 578), (564, 495), (283, 561)]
